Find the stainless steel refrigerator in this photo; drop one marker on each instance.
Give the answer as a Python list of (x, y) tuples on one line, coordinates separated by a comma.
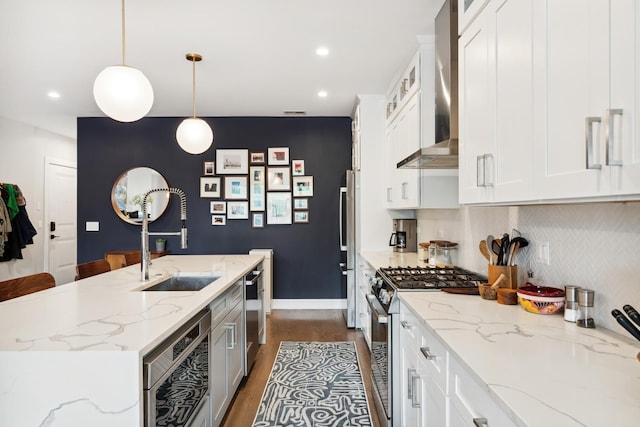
[(348, 244)]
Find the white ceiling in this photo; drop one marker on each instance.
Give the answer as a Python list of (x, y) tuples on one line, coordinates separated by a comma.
[(259, 55)]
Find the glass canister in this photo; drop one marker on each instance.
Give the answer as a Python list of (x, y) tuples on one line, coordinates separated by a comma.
[(433, 253), (447, 254)]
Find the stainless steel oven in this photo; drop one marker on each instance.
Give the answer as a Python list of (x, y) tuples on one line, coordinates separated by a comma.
[(380, 359), (176, 375), (255, 317)]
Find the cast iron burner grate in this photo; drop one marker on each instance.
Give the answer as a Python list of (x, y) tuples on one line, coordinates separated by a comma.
[(419, 278)]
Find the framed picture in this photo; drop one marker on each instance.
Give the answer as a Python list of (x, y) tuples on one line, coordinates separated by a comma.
[(257, 220), (297, 167), (303, 186), (257, 158), (235, 187), (218, 208), (279, 179), (278, 208), (237, 210), (208, 169), (257, 182), (218, 220), (301, 217), (232, 162), (210, 187), (278, 156), (299, 204)]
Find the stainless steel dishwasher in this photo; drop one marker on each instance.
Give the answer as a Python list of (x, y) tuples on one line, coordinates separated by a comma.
[(176, 375), (255, 316)]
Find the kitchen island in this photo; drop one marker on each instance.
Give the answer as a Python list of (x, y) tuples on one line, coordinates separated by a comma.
[(537, 369), (72, 355)]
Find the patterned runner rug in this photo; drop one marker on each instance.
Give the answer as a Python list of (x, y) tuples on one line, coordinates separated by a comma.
[(315, 384)]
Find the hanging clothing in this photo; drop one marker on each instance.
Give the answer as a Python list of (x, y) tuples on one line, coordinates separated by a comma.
[(15, 226)]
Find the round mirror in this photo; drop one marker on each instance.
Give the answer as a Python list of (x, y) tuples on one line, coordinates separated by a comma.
[(130, 187)]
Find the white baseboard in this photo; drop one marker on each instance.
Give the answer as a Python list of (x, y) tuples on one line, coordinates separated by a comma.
[(308, 304)]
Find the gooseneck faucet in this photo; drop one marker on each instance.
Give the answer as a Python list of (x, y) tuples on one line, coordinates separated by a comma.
[(144, 246)]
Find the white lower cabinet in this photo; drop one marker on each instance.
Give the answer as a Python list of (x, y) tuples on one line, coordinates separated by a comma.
[(434, 388), (364, 274), (226, 365)]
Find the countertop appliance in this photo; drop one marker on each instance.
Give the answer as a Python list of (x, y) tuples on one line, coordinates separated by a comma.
[(444, 153), (176, 375), (405, 236), (347, 214), (384, 305)]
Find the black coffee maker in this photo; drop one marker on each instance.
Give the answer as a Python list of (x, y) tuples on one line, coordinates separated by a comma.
[(404, 237)]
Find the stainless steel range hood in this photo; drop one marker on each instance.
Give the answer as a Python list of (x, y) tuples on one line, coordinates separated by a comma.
[(444, 153)]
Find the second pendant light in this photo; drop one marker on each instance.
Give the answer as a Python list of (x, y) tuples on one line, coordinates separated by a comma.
[(194, 135)]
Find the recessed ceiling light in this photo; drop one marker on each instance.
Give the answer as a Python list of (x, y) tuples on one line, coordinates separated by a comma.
[(322, 51), (54, 95), (322, 94)]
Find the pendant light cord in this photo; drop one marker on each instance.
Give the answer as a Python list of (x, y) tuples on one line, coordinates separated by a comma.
[(124, 62), (193, 61)]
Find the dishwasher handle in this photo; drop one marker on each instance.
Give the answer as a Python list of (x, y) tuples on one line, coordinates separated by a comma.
[(255, 275)]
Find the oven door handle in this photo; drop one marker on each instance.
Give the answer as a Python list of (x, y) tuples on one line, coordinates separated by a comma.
[(377, 310)]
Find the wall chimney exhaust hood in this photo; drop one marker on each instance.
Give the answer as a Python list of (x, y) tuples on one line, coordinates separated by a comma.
[(444, 153)]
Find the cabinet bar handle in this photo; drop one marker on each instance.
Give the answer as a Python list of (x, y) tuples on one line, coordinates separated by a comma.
[(415, 402), (480, 422), (610, 138), (588, 132), (389, 195), (479, 171), (426, 353), (229, 327), (404, 190), (487, 169), (410, 383)]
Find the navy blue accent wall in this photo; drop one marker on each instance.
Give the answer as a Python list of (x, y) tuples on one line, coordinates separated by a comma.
[(306, 256)]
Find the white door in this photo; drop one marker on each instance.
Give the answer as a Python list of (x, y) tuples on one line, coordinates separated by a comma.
[(60, 216)]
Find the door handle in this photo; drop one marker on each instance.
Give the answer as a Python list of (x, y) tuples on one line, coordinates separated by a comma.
[(53, 236)]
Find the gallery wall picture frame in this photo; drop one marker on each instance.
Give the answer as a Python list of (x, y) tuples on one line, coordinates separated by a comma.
[(297, 167), (235, 188), (209, 169), (237, 210), (257, 158), (257, 181), (301, 217), (303, 186), (210, 187), (257, 220), (301, 204), (218, 220), (218, 207), (278, 179), (278, 155), (232, 162), (278, 208)]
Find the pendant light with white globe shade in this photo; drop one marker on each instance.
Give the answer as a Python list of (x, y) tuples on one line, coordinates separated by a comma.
[(194, 135), (122, 92)]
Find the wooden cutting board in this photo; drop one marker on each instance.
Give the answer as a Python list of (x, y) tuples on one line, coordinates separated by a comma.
[(462, 291)]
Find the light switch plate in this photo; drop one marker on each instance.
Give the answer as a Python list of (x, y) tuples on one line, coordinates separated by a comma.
[(92, 226)]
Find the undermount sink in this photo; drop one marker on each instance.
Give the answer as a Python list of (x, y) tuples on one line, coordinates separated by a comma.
[(183, 283)]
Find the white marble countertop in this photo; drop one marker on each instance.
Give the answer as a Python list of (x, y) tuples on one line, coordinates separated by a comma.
[(72, 355), (541, 370)]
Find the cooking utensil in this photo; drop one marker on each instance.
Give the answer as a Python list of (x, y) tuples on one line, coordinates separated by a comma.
[(632, 313), (501, 278), (486, 291), (516, 244), (504, 248), (626, 323), (495, 248), (490, 242), (484, 250)]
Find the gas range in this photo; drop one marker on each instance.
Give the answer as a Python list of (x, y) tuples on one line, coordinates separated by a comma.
[(412, 279)]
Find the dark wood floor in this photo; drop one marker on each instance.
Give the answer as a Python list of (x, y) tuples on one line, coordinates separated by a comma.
[(295, 325)]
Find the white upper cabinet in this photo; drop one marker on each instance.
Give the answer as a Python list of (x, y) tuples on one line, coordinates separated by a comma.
[(410, 122), (547, 113), (587, 91), (468, 10)]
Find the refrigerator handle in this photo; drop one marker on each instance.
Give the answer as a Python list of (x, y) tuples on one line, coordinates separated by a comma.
[(343, 195)]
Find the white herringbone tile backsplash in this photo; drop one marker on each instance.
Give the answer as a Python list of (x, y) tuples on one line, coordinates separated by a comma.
[(595, 246)]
